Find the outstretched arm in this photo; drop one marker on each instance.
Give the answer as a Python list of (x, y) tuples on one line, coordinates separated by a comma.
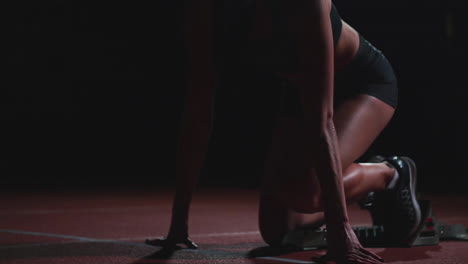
[(196, 122), (309, 26)]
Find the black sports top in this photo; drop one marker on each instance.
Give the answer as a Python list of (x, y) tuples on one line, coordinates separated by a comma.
[(337, 24)]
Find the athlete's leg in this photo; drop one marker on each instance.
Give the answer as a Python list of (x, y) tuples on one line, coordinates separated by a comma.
[(358, 122)]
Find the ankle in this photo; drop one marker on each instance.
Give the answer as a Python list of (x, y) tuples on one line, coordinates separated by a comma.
[(392, 176)]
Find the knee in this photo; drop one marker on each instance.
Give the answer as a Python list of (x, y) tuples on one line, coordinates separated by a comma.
[(272, 220), (273, 238)]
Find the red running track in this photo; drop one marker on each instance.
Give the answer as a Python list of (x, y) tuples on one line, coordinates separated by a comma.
[(110, 227)]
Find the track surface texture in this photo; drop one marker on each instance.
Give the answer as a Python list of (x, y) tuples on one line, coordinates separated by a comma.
[(109, 227)]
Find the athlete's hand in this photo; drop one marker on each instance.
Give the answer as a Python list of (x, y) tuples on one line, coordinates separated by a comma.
[(178, 235), (356, 256), (172, 243), (344, 248)]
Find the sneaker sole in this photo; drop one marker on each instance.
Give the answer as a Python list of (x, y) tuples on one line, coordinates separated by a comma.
[(413, 172)]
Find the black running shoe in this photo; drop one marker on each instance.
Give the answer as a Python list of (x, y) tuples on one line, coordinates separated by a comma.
[(397, 209), (377, 159)]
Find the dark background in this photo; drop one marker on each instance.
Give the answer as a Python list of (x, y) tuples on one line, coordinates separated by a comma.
[(92, 95)]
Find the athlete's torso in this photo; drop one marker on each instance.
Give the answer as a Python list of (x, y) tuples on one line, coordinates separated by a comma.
[(235, 20), (345, 37)]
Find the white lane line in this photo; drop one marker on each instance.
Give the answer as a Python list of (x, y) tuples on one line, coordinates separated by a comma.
[(287, 260), (82, 210), (77, 239), (39, 244), (81, 239), (247, 233)]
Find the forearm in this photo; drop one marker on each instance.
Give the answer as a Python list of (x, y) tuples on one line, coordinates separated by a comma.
[(330, 176), (196, 122), (190, 158), (191, 153), (314, 79)]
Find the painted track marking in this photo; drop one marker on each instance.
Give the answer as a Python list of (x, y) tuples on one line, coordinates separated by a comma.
[(80, 239), (287, 260), (246, 233), (82, 210)]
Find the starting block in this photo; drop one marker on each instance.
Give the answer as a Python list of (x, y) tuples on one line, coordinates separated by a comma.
[(430, 234)]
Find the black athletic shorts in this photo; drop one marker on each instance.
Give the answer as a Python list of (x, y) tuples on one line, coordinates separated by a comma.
[(369, 73)]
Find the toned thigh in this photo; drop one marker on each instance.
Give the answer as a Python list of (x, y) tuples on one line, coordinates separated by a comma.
[(358, 121)]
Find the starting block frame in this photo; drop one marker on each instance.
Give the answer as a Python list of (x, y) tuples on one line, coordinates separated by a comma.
[(430, 234)]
